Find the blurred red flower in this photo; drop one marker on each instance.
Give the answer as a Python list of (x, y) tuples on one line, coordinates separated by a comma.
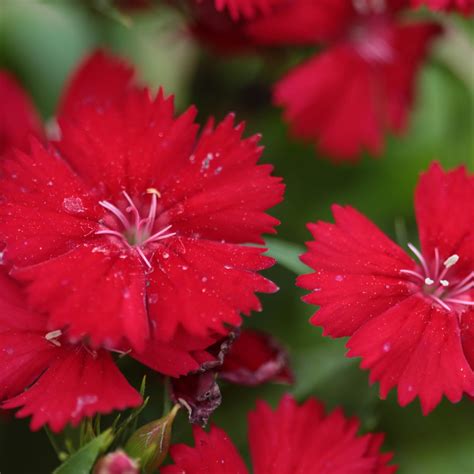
[(361, 84), (130, 228), (290, 440), (412, 323)]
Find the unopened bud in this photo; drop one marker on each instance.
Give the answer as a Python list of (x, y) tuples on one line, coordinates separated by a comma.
[(116, 463), (151, 442)]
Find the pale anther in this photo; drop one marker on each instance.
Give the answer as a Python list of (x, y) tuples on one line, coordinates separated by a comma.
[(450, 261), (428, 281), (444, 282), (153, 191)]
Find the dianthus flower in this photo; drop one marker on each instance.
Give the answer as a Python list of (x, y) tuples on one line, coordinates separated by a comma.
[(129, 228), (290, 440), (410, 320), (362, 84), (465, 7)]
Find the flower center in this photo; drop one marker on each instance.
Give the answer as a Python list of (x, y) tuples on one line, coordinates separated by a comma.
[(438, 281), (131, 228)]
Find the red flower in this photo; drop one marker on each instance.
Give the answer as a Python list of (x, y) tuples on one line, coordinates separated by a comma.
[(54, 381), (361, 85), (131, 227), (290, 440), (411, 322), (18, 118), (464, 6)]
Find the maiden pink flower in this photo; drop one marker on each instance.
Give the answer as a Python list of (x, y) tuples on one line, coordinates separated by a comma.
[(131, 227), (290, 440), (361, 84), (410, 320)]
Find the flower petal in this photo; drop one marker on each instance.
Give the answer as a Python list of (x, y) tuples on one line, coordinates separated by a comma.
[(46, 208), (94, 292), (99, 80), (254, 358), (203, 285), (77, 384), (213, 453), (444, 204), (300, 439), (357, 272), (18, 117), (415, 345)]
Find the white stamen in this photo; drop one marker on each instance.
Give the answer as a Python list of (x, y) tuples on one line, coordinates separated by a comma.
[(450, 261), (116, 212), (420, 258), (428, 281), (52, 337), (444, 283)]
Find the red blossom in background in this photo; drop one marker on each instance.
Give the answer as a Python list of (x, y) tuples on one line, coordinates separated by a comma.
[(130, 228), (411, 321), (290, 440), (361, 85), (465, 7)]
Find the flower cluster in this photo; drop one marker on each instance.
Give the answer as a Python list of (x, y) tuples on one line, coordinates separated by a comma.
[(127, 231)]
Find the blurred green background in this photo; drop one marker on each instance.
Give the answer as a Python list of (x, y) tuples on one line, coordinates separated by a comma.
[(41, 43)]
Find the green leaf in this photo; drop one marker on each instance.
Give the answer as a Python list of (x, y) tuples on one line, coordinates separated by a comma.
[(287, 254), (82, 461)]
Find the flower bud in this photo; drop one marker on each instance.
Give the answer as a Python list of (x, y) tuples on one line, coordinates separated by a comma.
[(116, 463), (151, 442)]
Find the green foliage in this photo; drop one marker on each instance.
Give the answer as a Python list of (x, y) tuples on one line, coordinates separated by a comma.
[(82, 461)]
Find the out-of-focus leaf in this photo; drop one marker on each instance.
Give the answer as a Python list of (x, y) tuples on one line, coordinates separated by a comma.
[(82, 461), (287, 254)]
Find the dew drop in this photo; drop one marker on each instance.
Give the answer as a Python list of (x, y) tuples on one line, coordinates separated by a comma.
[(73, 205)]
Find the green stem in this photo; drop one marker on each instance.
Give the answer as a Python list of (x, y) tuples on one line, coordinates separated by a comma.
[(53, 442)]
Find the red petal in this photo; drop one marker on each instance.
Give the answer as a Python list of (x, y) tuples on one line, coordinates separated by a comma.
[(100, 80), (301, 439), (134, 145), (221, 193), (303, 22), (24, 351), (93, 291), (213, 453), (255, 358), (47, 208), (183, 354), (444, 204), (357, 272), (77, 384), (18, 117), (337, 107), (202, 285), (416, 345)]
